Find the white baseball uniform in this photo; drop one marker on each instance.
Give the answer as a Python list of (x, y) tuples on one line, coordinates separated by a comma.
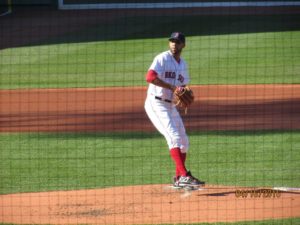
[(158, 105)]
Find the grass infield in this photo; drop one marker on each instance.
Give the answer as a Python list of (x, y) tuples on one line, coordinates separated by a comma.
[(33, 162), (255, 58), (292, 221)]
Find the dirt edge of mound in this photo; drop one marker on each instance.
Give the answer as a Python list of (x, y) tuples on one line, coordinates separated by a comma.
[(149, 204)]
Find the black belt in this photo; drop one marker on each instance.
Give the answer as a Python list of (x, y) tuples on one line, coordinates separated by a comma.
[(166, 100)]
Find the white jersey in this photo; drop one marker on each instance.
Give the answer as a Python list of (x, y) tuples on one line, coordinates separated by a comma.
[(163, 114), (170, 71)]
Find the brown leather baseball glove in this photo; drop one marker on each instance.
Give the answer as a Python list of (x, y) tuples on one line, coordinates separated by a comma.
[(183, 97)]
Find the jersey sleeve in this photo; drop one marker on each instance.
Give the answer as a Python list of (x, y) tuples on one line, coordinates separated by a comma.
[(151, 76), (157, 66)]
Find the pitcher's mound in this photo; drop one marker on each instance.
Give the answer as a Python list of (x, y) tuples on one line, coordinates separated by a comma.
[(149, 204)]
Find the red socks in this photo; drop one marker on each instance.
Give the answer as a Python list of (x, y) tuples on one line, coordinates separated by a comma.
[(179, 159)]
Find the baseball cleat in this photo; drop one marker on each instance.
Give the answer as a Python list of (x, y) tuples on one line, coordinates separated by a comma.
[(195, 180), (187, 180), (175, 182)]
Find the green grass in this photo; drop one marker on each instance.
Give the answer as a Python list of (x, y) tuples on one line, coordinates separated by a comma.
[(221, 49), (291, 221), (215, 59), (42, 162)]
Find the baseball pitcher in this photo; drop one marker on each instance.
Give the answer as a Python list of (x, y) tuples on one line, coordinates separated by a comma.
[(168, 78)]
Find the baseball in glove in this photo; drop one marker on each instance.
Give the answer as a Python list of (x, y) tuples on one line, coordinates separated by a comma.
[(183, 97)]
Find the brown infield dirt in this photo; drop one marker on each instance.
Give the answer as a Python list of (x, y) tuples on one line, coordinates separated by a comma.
[(147, 204), (217, 107)]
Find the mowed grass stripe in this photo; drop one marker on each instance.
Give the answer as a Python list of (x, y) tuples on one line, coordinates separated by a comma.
[(41, 162), (254, 58)]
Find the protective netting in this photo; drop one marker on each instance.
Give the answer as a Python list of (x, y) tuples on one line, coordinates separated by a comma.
[(83, 140)]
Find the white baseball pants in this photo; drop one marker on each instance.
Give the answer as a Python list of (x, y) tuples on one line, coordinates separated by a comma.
[(168, 122)]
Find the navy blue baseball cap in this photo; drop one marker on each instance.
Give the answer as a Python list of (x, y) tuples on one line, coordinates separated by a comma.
[(177, 36)]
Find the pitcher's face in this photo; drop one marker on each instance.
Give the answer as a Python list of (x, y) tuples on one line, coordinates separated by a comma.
[(176, 47)]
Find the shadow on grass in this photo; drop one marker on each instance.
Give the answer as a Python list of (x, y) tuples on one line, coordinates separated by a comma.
[(30, 26), (161, 26)]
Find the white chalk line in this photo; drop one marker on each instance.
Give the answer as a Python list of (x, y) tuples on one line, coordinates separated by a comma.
[(292, 189)]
